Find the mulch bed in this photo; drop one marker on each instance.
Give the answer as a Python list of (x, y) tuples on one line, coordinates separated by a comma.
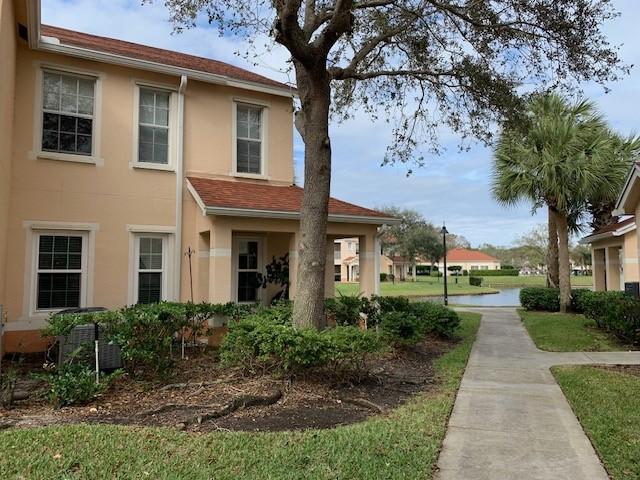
[(224, 399)]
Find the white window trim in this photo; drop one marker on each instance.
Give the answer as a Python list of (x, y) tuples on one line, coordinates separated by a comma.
[(37, 152), (168, 247), (33, 230), (173, 130), (264, 131), (235, 268)]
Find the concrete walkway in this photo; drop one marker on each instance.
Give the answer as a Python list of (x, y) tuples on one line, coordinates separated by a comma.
[(510, 419)]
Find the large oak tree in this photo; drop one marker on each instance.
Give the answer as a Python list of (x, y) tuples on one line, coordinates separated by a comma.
[(421, 63)]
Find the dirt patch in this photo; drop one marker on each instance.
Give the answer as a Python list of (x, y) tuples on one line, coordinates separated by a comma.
[(626, 369), (204, 389)]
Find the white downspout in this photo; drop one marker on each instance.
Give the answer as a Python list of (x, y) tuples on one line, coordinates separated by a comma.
[(179, 183)]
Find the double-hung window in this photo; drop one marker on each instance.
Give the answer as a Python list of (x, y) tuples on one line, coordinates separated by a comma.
[(151, 268), (68, 105), (248, 269), (249, 139), (153, 126), (60, 270)]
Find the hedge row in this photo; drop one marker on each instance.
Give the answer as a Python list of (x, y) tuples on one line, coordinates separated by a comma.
[(612, 311), (505, 272)]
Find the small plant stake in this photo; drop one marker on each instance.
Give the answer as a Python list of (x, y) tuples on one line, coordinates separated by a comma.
[(96, 330)]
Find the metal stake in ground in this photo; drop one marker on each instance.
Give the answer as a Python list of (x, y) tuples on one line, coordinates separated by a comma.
[(96, 329)]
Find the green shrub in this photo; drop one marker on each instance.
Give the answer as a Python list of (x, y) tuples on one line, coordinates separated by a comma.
[(580, 298), (401, 327), (538, 298), (393, 304), (465, 273), (475, 281), (258, 343), (620, 315), (505, 272), (435, 319), (436, 274), (598, 305), (383, 277), (75, 383)]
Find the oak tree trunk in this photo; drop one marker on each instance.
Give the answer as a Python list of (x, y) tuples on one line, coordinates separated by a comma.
[(312, 121), (563, 261), (553, 280)]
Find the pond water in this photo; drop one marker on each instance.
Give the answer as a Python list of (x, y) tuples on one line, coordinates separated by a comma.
[(506, 297)]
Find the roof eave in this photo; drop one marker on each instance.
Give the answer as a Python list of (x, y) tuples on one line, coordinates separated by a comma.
[(605, 235), (624, 193), (288, 215), (79, 52)]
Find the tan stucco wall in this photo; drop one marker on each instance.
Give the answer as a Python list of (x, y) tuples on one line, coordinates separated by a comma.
[(7, 87), (605, 259)]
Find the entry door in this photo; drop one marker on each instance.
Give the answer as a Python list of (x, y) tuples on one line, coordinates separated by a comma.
[(249, 266)]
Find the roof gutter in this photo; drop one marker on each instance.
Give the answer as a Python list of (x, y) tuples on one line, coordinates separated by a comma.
[(603, 236)]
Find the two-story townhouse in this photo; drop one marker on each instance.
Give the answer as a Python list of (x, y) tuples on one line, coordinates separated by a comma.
[(133, 174)]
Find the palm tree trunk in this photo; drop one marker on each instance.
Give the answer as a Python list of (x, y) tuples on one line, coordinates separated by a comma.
[(553, 276), (563, 261)]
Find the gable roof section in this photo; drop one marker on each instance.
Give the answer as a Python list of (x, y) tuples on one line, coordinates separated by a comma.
[(629, 185), (236, 198), (466, 255), (614, 230), (112, 50)]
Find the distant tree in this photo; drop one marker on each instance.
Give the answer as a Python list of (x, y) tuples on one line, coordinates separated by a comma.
[(581, 256), (422, 63), (534, 243)]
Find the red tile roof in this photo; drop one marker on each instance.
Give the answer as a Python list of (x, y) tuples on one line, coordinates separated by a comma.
[(466, 255), (615, 226), (157, 55), (259, 196)]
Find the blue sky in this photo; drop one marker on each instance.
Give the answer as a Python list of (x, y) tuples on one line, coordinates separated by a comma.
[(451, 187)]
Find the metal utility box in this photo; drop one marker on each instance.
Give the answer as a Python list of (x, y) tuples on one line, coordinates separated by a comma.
[(632, 289)]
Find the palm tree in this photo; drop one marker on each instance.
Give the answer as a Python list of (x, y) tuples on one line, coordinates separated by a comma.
[(563, 157)]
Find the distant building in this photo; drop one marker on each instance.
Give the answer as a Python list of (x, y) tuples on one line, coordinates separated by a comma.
[(470, 260)]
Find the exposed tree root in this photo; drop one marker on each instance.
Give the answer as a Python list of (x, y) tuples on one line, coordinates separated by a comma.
[(173, 386), (241, 402), (361, 402)]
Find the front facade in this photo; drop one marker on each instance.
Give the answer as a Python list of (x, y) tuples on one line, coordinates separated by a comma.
[(615, 248), (470, 260), (130, 174)]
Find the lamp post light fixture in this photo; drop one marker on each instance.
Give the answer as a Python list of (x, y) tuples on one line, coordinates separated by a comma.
[(444, 245)]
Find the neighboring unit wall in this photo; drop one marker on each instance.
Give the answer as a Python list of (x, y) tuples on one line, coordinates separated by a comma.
[(7, 92), (615, 262)]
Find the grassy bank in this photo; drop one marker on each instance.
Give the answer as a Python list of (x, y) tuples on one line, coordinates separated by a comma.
[(607, 403), (432, 286), (401, 445), (566, 332)]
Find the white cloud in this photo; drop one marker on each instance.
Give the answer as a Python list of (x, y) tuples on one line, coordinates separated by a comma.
[(453, 187)]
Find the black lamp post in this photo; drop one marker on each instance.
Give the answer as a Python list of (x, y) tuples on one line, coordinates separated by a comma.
[(444, 244)]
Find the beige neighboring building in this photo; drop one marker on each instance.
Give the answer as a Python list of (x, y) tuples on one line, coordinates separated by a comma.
[(470, 260), (347, 262), (615, 248), (121, 158)]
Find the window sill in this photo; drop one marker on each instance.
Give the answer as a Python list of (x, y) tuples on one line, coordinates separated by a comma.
[(153, 166), (253, 176), (68, 157)]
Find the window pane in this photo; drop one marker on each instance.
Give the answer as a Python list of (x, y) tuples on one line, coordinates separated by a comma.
[(161, 136), (160, 154), (247, 286), (69, 85), (255, 120), (162, 100), (146, 134), (145, 152), (85, 105), (51, 90), (146, 114), (85, 126), (67, 142), (149, 287), (162, 117), (58, 290), (49, 140), (68, 124), (146, 97), (85, 87), (242, 129), (84, 144), (254, 157), (242, 156), (69, 103)]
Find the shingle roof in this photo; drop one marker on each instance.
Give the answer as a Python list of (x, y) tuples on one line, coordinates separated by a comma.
[(466, 255), (157, 55), (614, 226), (265, 197)]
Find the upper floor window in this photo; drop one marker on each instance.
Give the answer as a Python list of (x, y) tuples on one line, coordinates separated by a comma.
[(153, 126), (68, 113), (249, 139)]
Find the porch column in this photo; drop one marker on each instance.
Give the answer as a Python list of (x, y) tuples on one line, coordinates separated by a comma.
[(598, 265), (367, 264), (613, 268), (202, 269), (630, 249), (329, 274), (377, 254), (220, 264), (293, 264)]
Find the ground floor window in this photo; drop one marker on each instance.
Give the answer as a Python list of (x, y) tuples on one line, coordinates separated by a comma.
[(60, 270), (150, 281), (337, 273), (249, 268)]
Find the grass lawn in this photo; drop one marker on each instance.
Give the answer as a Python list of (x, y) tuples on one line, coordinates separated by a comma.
[(607, 403), (432, 286), (558, 332), (401, 445)]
